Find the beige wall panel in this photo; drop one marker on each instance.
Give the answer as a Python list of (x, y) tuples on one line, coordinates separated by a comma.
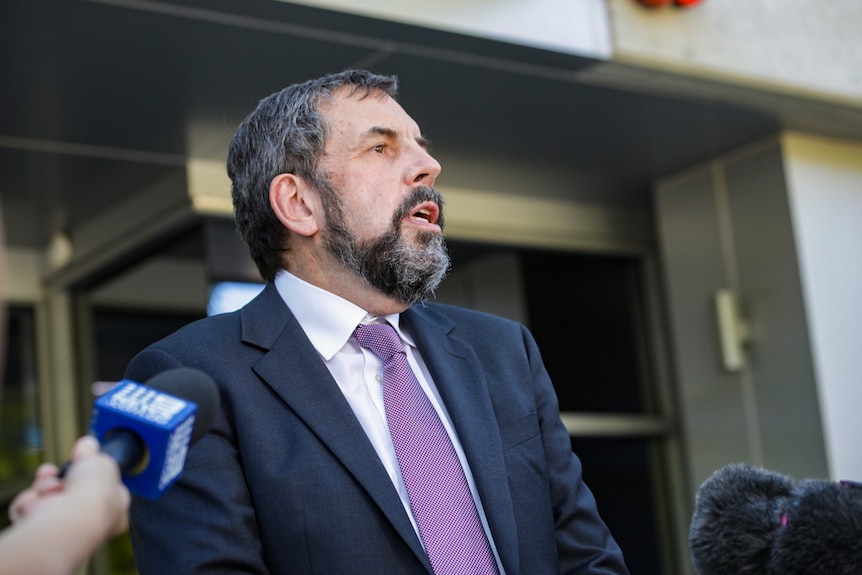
[(812, 48), (23, 273), (728, 226), (570, 26)]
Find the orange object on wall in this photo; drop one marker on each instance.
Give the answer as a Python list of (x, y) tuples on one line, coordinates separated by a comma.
[(678, 3)]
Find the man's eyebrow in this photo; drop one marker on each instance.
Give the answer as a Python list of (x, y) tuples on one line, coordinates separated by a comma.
[(380, 131)]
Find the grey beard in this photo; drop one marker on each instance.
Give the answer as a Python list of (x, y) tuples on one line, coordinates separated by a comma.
[(406, 273)]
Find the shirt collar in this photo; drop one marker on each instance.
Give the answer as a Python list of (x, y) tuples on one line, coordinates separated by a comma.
[(327, 319)]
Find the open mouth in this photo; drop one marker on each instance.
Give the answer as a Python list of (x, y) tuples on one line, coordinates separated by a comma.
[(425, 213)]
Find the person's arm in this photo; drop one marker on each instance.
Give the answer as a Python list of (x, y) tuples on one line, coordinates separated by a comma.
[(58, 523)]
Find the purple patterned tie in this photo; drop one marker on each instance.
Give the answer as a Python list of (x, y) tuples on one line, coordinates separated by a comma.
[(439, 495)]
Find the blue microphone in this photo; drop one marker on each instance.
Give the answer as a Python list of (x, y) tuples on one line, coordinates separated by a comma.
[(148, 428)]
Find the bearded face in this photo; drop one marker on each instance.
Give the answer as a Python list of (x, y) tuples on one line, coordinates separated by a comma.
[(405, 272)]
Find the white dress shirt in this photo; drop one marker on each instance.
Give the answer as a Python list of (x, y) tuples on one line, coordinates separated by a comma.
[(329, 320)]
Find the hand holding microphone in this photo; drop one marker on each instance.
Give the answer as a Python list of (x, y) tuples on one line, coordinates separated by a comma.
[(749, 520), (74, 515), (92, 482), (146, 431)]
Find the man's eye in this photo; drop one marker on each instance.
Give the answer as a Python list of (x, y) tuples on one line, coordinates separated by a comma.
[(379, 148)]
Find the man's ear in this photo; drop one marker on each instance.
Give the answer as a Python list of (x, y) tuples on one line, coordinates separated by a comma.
[(295, 204)]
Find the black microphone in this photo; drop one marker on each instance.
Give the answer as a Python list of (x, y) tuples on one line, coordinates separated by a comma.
[(749, 520), (148, 428)]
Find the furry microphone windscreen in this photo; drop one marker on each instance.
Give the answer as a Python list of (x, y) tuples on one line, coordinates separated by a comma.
[(736, 512), (822, 532), (749, 520)]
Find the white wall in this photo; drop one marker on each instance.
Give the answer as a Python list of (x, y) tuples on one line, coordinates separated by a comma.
[(825, 185), (572, 26), (805, 46)]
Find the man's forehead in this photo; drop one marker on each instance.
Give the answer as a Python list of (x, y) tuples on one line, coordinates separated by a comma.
[(367, 113)]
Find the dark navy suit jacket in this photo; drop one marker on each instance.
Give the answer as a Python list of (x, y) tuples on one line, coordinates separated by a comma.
[(288, 483)]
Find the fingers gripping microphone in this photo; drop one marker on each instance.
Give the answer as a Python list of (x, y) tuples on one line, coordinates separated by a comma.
[(148, 428), (749, 520)]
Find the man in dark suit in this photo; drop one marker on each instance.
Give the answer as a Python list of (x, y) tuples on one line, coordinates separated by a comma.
[(306, 469)]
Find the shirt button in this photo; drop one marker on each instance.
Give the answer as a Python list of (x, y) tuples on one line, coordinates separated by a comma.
[(378, 377)]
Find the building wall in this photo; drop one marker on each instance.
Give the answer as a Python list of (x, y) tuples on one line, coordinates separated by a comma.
[(799, 46), (727, 226), (579, 27), (22, 271), (776, 223), (786, 45), (824, 179)]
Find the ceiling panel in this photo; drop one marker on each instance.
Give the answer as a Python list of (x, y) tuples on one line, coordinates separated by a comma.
[(100, 98)]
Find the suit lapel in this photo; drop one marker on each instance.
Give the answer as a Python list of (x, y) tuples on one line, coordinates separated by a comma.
[(459, 377), (294, 371)]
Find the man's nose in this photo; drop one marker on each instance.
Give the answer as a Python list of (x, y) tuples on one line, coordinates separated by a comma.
[(424, 170)]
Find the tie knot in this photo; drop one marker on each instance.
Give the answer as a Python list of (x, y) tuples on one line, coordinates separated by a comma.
[(380, 338)]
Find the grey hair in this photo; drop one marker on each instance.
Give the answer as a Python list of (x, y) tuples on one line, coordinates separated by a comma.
[(285, 134)]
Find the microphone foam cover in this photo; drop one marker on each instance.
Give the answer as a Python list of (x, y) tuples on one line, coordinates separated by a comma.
[(195, 386), (737, 514)]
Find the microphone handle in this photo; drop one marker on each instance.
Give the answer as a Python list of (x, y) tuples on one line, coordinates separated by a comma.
[(126, 448)]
